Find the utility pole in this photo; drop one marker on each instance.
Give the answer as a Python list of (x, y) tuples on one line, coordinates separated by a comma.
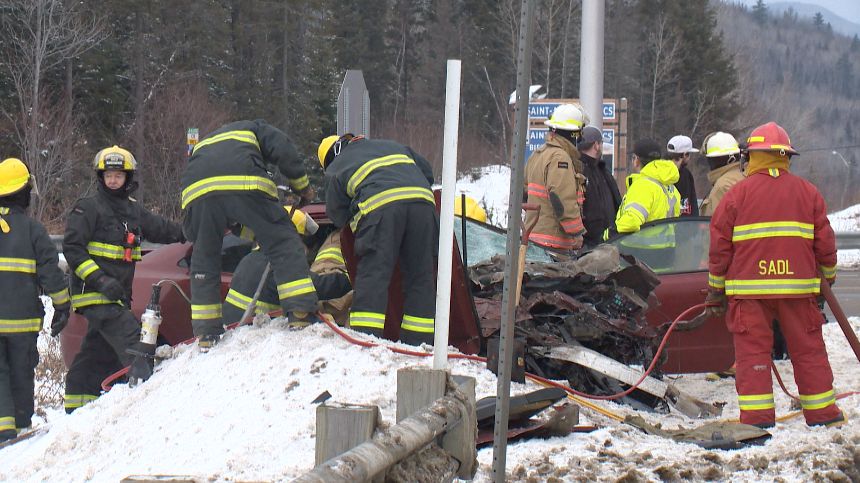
[(591, 60), (509, 302)]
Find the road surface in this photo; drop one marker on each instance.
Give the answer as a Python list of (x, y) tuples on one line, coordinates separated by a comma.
[(847, 290)]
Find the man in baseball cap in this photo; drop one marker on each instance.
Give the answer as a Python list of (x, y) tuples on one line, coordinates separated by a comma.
[(679, 149), (602, 198)]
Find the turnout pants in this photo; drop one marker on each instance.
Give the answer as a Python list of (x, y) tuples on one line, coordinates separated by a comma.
[(750, 321), (18, 359), (247, 276), (111, 330), (205, 223), (408, 230)]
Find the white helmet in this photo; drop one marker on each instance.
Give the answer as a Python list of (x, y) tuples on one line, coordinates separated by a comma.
[(720, 144), (568, 117)]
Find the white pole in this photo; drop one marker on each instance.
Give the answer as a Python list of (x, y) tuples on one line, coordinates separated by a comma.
[(591, 60), (446, 215)]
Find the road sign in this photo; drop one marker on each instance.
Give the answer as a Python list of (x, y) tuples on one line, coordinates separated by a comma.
[(193, 135), (609, 110), (609, 148), (353, 105), (541, 110), (536, 138)]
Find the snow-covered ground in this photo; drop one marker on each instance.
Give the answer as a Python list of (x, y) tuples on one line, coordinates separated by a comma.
[(243, 412)]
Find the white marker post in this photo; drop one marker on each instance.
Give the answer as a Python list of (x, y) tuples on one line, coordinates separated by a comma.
[(446, 215)]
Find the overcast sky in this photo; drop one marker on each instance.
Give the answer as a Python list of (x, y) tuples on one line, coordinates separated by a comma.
[(848, 9)]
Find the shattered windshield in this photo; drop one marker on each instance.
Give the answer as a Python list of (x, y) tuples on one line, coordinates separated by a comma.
[(676, 245), (486, 241)]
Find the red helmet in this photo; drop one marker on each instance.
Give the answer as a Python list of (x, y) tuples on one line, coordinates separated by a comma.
[(770, 137)]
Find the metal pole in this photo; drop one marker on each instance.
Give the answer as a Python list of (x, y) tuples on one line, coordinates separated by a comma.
[(446, 216), (515, 195), (591, 60)]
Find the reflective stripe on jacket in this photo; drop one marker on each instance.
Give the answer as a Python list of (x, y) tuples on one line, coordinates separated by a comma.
[(234, 158), (769, 237), (555, 169), (28, 268), (371, 173)]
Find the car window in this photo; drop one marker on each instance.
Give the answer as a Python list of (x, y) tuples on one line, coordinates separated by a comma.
[(485, 241), (675, 245)]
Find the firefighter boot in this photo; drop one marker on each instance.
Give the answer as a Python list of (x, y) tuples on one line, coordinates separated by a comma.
[(207, 342), (8, 434), (299, 320)]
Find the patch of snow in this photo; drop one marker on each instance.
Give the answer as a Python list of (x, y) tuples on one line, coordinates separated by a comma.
[(243, 412), (847, 220), (490, 186)]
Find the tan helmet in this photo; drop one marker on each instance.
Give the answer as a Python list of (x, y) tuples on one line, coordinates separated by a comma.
[(568, 117), (114, 157), (720, 144)]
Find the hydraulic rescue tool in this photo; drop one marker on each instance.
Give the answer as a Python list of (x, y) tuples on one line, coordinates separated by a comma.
[(144, 351)]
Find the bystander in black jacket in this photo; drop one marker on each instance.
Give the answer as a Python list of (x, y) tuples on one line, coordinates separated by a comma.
[(602, 200), (686, 187)]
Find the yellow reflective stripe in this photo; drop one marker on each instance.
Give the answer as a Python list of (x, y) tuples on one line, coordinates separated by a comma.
[(113, 252), (716, 281), (417, 324), (773, 172), (91, 298), (295, 288), (228, 183), (86, 268), (7, 423), (773, 228), (817, 401), (60, 297), (330, 253), (373, 320), (368, 167), (829, 272), (755, 139), (205, 312), (781, 286), (299, 184), (74, 401), (753, 402), (722, 150), (12, 326), (21, 265), (388, 196), (242, 301), (243, 136)]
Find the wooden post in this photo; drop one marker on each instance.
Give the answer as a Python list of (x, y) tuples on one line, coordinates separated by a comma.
[(341, 427), (460, 440), (417, 388)]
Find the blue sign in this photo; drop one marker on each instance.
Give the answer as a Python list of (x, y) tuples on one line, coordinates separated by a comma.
[(608, 111), (536, 139), (609, 148), (543, 110)]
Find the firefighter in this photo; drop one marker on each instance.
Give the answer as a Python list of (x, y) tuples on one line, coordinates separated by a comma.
[(554, 181), (382, 190), (679, 148), (28, 267), (602, 197), (102, 247), (723, 155), (328, 273), (770, 237), (225, 183)]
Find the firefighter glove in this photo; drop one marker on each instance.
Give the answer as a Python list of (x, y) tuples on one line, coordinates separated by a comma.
[(716, 303), (109, 287), (61, 318)]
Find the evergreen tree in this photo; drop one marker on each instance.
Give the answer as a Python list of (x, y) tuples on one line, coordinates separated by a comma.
[(818, 20), (759, 12)]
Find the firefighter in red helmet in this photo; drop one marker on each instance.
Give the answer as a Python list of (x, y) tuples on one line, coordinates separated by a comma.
[(770, 239)]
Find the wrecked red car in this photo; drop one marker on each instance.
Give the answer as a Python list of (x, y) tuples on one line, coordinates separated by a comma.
[(679, 285)]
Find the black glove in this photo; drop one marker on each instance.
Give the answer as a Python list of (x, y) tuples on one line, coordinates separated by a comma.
[(109, 287), (143, 363), (61, 318)]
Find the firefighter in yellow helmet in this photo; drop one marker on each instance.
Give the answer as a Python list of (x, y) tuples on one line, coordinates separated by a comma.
[(227, 182), (102, 247), (328, 273), (382, 190), (28, 267)]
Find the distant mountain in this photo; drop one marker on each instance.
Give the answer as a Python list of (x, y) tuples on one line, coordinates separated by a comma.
[(808, 10)]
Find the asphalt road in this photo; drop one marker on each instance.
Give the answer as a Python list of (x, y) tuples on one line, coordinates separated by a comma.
[(847, 290)]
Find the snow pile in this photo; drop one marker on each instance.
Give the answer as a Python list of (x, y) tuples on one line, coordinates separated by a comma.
[(490, 186), (847, 220), (243, 412)]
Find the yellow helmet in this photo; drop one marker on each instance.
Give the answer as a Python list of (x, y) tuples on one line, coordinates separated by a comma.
[(14, 176), (325, 147), (305, 225), (473, 209), (114, 157)]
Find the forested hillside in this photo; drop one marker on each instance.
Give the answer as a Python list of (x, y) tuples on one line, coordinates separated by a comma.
[(77, 76)]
